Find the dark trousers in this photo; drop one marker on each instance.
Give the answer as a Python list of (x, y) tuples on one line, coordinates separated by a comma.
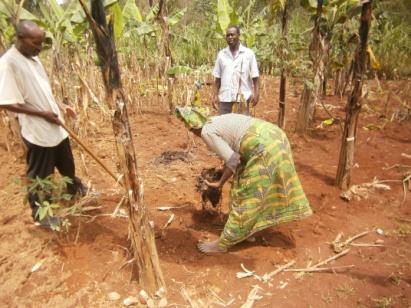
[(41, 162), (227, 107)]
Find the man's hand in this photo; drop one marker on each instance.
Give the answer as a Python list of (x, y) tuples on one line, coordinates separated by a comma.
[(215, 103), (69, 111), (51, 117), (254, 99)]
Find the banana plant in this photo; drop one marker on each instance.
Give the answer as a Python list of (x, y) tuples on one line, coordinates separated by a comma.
[(10, 13), (253, 26), (327, 14)]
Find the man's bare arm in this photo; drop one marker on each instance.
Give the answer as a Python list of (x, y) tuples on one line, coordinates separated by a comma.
[(256, 91), (23, 108), (217, 85)]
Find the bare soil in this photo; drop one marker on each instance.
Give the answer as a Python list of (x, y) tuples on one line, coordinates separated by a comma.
[(80, 268)]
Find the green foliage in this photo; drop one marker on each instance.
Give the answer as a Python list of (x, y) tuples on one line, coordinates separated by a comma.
[(131, 13), (197, 31), (390, 38), (52, 196), (224, 11)]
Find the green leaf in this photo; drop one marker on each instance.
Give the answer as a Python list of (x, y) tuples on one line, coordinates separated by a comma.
[(56, 8), (117, 15), (145, 29), (66, 197), (131, 12), (108, 3), (178, 70), (152, 13), (176, 17), (278, 5), (42, 211), (309, 4), (328, 121), (224, 11)]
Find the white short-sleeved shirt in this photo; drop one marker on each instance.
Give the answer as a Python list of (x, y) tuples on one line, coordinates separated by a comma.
[(24, 81), (230, 69)]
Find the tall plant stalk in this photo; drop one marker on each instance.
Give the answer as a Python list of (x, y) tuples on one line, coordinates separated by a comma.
[(141, 233), (354, 102), (283, 80), (312, 92)]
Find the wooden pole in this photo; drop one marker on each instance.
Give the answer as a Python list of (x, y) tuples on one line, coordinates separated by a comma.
[(283, 81), (354, 103), (146, 262)]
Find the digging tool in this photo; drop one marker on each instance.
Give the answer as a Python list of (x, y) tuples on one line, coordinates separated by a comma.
[(77, 139)]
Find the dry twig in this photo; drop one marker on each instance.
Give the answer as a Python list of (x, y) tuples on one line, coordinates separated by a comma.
[(318, 269), (268, 276), (252, 297), (339, 246)]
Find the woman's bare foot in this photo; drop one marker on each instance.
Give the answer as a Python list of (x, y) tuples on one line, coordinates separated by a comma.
[(210, 247)]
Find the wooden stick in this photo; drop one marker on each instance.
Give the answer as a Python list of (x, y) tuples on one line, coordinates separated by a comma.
[(396, 166), (77, 139), (67, 211), (78, 233), (403, 219), (342, 253), (366, 245), (318, 269), (353, 238), (280, 269)]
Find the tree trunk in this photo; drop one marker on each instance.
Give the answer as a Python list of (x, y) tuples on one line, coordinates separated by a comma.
[(141, 233), (283, 81), (324, 86), (354, 102), (313, 91), (337, 81), (165, 44), (166, 37)]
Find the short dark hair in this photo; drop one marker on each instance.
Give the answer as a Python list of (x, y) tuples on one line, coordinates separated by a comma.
[(25, 27), (235, 27)]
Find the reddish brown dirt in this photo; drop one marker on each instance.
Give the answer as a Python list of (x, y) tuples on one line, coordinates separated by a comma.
[(81, 272)]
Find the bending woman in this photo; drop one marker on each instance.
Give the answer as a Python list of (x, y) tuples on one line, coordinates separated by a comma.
[(266, 190)]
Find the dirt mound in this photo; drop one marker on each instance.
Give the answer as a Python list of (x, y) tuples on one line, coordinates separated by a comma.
[(168, 157)]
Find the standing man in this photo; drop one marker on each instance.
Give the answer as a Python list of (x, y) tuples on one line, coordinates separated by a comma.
[(25, 90), (236, 74)]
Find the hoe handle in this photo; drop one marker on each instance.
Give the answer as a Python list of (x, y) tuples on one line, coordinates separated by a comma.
[(77, 139)]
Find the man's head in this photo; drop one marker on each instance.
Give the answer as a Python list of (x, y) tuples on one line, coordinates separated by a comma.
[(30, 38), (232, 36)]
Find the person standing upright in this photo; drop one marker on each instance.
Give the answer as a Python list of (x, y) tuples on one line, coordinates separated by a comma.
[(237, 76), (25, 90)]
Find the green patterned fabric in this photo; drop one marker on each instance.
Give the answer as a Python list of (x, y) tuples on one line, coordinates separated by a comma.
[(193, 117), (266, 190)]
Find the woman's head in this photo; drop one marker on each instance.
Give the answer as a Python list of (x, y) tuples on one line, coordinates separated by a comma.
[(193, 117)]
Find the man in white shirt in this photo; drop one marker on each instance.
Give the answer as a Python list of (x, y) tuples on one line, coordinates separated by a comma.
[(236, 74), (25, 90)]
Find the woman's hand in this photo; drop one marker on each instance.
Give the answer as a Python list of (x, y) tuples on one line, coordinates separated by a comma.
[(213, 184)]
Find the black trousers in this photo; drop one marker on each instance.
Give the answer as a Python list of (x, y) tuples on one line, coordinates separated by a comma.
[(41, 162)]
